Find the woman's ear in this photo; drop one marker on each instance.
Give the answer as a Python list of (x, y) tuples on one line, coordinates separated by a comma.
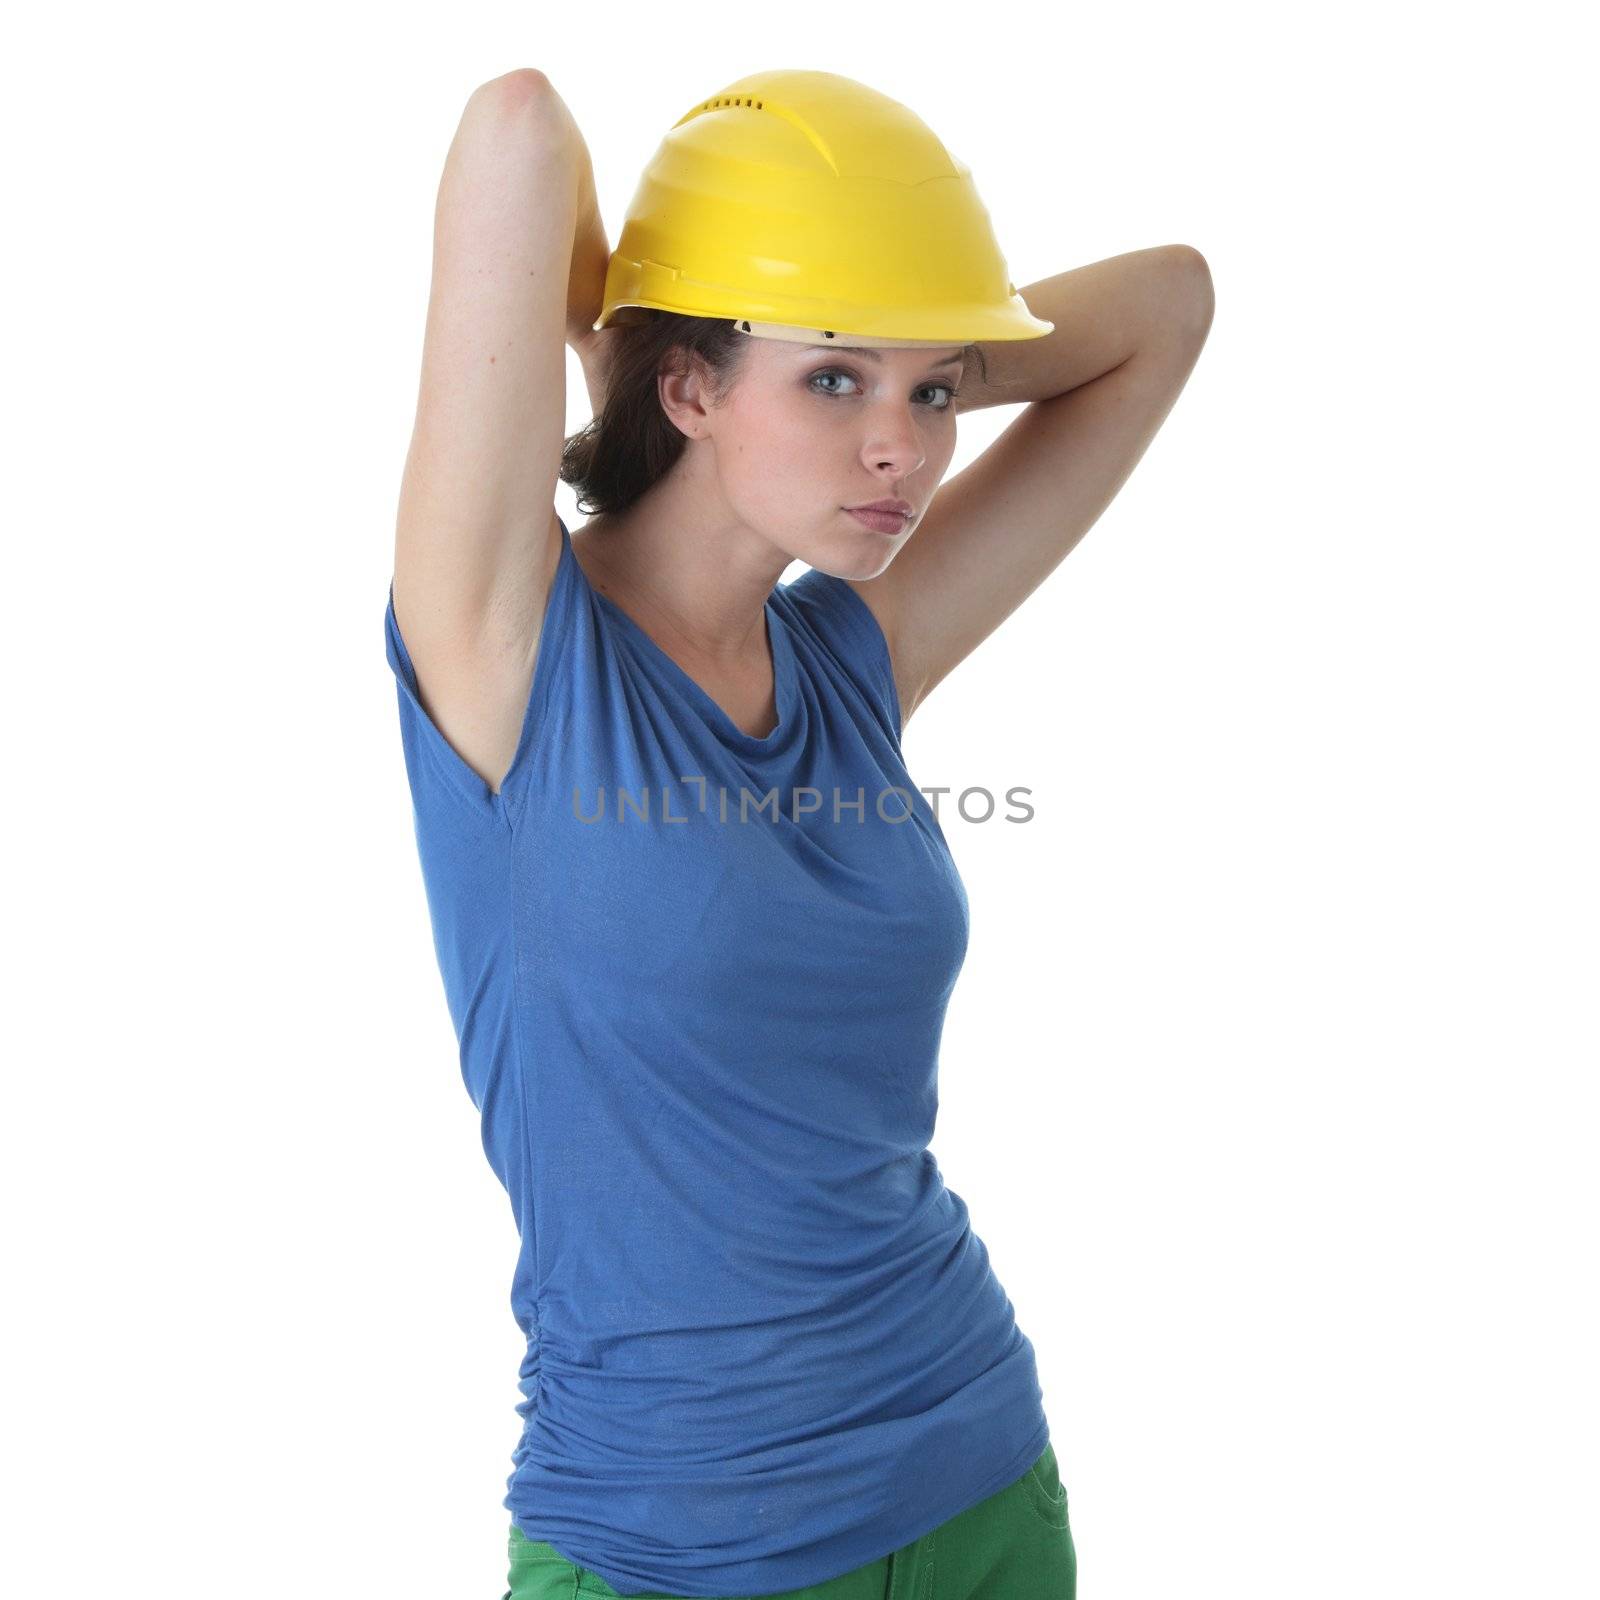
[(685, 387)]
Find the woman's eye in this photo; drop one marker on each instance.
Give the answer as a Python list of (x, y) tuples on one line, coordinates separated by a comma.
[(949, 389), (817, 376)]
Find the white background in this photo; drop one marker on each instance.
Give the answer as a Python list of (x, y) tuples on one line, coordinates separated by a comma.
[(1268, 1081)]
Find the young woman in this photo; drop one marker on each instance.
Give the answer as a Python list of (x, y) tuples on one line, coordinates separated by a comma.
[(696, 923)]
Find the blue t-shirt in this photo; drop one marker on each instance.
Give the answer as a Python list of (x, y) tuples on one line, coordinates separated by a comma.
[(698, 980)]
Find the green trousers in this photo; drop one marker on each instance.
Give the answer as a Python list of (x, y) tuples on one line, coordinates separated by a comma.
[(1016, 1545)]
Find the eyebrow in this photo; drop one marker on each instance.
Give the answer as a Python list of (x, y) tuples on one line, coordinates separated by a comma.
[(863, 352)]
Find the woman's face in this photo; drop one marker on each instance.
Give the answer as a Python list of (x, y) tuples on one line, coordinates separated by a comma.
[(808, 430)]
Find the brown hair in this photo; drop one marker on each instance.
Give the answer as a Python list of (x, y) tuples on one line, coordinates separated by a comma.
[(632, 443)]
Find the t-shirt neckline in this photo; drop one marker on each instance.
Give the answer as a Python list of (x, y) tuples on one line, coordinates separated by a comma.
[(778, 645)]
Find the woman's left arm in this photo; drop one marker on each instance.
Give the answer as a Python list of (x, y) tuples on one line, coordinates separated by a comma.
[(1103, 313), (1128, 332)]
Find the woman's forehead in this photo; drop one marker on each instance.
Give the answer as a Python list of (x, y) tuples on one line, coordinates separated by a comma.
[(918, 356)]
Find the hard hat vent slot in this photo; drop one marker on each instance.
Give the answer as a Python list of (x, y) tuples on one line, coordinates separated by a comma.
[(720, 102)]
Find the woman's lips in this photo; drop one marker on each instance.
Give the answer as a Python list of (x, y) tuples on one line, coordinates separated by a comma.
[(881, 521)]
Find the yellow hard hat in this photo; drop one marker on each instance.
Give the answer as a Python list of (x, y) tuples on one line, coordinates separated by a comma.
[(807, 206)]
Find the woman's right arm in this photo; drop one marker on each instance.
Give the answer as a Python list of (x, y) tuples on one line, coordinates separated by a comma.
[(476, 535)]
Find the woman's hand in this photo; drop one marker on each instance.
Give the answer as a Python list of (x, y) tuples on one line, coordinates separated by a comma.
[(595, 350)]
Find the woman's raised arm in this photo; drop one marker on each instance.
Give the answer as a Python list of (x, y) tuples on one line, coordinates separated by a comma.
[(476, 536)]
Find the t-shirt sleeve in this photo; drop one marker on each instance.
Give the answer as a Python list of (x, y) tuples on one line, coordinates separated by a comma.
[(437, 771), (849, 628)]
